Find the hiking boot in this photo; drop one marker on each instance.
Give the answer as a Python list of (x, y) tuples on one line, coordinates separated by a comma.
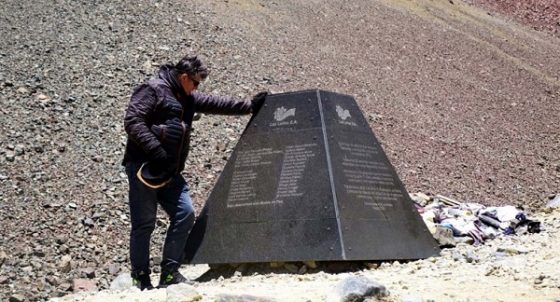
[(169, 277), (142, 280)]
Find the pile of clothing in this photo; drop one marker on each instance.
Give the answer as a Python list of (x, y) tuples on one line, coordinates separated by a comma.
[(451, 222)]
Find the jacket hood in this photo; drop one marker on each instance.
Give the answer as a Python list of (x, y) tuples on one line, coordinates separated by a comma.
[(167, 74)]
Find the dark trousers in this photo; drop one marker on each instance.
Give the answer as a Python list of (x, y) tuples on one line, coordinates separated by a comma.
[(175, 200)]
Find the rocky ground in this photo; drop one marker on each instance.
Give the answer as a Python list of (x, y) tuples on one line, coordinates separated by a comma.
[(509, 268), (465, 104), (542, 15)]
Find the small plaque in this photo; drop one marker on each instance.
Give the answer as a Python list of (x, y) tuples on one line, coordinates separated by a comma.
[(308, 180)]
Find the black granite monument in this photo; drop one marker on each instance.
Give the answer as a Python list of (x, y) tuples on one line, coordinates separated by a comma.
[(308, 180)]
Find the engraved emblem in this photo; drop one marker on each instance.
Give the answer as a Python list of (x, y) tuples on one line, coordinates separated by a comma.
[(343, 114), (281, 113)]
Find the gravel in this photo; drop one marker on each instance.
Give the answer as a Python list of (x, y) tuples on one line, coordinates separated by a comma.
[(509, 268), (464, 103), (542, 15)]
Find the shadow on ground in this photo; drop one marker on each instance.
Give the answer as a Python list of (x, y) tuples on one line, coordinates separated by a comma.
[(297, 268)]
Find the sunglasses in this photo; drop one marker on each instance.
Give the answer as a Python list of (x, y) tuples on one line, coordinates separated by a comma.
[(195, 82)]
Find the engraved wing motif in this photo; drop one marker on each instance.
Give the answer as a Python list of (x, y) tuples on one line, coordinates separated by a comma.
[(343, 114), (281, 113)]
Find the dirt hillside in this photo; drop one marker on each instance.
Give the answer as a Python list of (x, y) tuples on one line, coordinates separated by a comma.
[(543, 15), (465, 104)]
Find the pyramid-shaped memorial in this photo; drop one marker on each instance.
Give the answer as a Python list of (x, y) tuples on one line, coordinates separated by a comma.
[(308, 180)]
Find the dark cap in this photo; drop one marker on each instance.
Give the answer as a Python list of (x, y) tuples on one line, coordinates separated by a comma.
[(153, 177)]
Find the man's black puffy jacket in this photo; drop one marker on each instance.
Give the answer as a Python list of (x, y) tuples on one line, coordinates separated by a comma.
[(160, 100)]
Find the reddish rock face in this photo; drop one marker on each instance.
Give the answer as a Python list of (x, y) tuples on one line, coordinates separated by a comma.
[(542, 15)]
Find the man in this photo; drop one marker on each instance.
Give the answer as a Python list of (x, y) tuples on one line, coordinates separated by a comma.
[(158, 122)]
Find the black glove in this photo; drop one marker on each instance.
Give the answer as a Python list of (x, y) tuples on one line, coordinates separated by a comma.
[(258, 101), (170, 136), (159, 161), (159, 155), (174, 133)]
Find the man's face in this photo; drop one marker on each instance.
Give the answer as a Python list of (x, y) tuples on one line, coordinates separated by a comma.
[(189, 83)]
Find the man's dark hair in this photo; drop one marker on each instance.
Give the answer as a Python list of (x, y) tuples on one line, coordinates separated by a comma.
[(192, 66)]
